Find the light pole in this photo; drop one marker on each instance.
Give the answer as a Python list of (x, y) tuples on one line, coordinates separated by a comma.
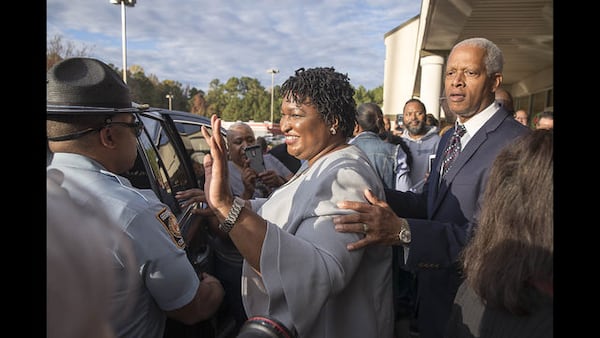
[(128, 3), (273, 71), (170, 97)]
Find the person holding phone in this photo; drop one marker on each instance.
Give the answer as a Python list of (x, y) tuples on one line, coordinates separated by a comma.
[(248, 182)]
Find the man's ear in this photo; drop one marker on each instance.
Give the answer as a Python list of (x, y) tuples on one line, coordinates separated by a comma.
[(497, 81), (107, 138)]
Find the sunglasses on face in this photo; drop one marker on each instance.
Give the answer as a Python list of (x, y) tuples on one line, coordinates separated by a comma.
[(136, 126)]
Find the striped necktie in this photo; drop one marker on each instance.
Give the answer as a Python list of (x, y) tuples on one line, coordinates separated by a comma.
[(453, 149)]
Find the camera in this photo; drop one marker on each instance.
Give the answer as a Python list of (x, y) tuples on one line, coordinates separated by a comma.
[(264, 327)]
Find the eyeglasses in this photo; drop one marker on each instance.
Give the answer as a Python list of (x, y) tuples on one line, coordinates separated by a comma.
[(137, 126)]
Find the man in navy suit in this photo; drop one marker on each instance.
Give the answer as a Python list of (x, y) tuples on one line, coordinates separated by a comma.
[(433, 226)]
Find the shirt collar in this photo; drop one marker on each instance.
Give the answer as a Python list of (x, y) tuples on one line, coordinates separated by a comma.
[(478, 120)]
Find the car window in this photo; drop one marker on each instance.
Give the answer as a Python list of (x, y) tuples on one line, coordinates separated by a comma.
[(194, 143), (161, 167)]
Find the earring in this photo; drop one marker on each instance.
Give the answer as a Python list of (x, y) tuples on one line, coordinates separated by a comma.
[(332, 131)]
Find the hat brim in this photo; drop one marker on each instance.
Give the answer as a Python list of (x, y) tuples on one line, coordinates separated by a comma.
[(74, 110)]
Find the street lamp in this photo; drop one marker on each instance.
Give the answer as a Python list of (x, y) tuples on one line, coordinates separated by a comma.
[(170, 97), (128, 3), (273, 71)]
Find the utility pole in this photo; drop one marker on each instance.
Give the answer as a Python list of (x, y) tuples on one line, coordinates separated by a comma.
[(273, 71)]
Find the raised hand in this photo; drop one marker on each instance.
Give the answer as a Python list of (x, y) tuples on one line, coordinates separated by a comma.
[(216, 187)]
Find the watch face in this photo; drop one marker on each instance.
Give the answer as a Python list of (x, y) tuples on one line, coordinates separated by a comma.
[(405, 235)]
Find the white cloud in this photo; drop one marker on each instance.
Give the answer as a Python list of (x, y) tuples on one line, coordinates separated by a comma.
[(196, 41)]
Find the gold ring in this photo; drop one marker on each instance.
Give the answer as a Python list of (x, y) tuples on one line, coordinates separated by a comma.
[(365, 228)]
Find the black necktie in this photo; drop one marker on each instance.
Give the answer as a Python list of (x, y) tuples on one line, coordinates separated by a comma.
[(453, 148)]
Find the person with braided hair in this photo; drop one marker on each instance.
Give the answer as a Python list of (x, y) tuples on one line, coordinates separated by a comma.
[(296, 267)]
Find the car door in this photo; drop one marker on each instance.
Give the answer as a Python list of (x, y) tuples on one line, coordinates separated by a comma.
[(164, 165)]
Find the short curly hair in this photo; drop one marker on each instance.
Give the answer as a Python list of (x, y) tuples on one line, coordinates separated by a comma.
[(329, 91)]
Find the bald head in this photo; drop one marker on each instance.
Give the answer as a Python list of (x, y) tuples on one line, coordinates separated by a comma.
[(239, 128), (239, 136)]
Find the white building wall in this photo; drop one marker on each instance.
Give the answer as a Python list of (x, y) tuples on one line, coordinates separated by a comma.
[(533, 84), (402, 74), (400, 67), (431, 83)]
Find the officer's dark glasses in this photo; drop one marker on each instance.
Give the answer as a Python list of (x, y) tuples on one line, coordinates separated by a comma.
[(137, 126)]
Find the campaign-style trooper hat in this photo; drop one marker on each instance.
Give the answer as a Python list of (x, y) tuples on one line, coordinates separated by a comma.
[(84, 85)]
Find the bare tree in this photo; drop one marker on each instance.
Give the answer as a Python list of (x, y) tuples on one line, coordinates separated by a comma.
[(57, 49)]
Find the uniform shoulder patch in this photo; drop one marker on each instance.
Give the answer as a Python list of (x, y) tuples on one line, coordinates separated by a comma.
[(169, 221)]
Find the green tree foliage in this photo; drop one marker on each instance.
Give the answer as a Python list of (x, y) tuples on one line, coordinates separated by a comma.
[(362, 95), (215, 98), (142, 87), (377, 95), (237, 99)]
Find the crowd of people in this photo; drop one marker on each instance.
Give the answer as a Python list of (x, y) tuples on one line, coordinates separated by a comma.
[(350, 231)]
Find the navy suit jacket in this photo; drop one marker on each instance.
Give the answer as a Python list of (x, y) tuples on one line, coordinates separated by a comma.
[(442, 217)]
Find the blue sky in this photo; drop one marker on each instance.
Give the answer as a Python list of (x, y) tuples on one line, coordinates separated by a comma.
[(196, 41)]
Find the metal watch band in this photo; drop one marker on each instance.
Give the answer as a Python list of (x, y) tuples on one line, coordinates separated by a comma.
[(404, 234), (233, 215)]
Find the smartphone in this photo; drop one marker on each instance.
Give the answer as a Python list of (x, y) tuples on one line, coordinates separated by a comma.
[(255, 155), (431, 159)]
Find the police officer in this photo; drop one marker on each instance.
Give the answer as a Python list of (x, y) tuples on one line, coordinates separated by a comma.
[(92, 131)]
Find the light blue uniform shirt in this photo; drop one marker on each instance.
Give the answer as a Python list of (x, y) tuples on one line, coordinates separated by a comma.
[(169, 281)]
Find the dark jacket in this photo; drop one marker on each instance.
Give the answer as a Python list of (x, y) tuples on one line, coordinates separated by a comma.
[(383, 157), (442, 216), (470, 318)]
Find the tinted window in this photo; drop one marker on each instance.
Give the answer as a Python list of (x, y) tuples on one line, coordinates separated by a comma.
[(161, 168), (195, 144)]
